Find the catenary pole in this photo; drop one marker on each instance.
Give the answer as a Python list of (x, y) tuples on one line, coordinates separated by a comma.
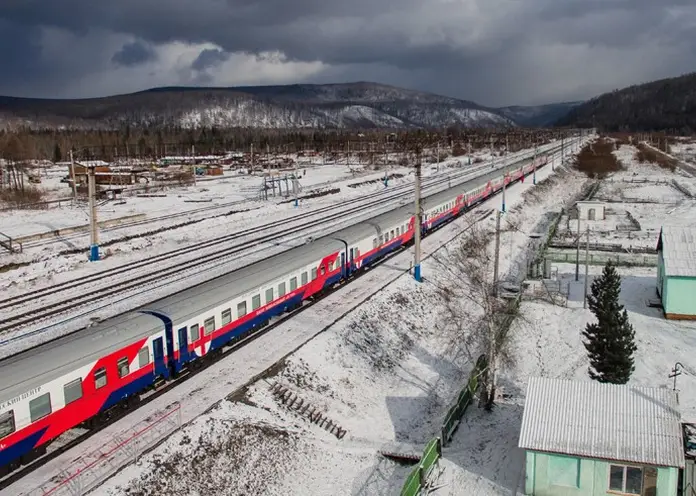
[(94, 234), (587, 265), (417, 223)]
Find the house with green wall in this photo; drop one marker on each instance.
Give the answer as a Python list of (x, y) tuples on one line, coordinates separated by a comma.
[(676, 272), (585, 438)]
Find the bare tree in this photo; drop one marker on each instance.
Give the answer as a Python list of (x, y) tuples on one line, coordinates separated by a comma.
[(475, 318)]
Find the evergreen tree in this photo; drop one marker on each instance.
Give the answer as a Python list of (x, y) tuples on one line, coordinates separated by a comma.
[(610, 341)]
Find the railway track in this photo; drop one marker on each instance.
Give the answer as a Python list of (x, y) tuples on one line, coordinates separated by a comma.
[(17, 317), (50, 309)]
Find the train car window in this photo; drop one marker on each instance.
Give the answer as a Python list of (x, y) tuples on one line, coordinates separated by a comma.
[(281, 289), (226, 316), (194, 333), (374, 243), (144, 356), (241, 309), (269, 293), (100, 378), (293, 283), (255, 302), (381, 239), (304, 278), (40, 406), (391, 236), (314, 273), (209, 326), (357, 253), (322, 270), (398, 231), (72, 391), (7, 424), (122, 367)]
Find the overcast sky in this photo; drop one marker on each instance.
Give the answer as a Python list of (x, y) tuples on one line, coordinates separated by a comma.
[(495, 52)]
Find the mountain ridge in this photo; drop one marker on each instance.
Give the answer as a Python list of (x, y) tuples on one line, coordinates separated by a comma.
[(355, 105)]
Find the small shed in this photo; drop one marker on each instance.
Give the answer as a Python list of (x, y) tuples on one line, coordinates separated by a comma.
[(591, 210), (586, 438), (676, 272)]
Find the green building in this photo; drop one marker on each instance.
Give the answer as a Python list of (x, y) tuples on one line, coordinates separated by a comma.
[(585, 438), (676, 272)]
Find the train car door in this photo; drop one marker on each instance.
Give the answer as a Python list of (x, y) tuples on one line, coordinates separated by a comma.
[(158, 355), (169, 335), (183, 347), (344, 271)]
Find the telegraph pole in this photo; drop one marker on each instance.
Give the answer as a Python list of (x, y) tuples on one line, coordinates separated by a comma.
[(505, 170), (587, 264), (534, 162), (94, 234), (72, 173), (577, 252), (417, 224), (296, 187), (496, 261), (193, 162)]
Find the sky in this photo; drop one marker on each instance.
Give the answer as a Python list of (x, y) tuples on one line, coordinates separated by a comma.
[(494, 52)]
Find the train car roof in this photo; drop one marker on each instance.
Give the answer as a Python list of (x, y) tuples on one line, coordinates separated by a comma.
[(44, 363)]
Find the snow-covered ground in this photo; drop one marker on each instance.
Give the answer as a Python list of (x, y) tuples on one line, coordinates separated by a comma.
[(383, 372), (640, 199)]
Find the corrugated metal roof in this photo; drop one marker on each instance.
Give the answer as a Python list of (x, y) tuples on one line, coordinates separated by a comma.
[(606, 421), (678, 245)]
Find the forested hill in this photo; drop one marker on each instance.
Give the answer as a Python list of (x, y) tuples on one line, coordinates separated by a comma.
[(667, 104)]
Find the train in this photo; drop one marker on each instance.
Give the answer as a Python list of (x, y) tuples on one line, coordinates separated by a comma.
[(80, 379)]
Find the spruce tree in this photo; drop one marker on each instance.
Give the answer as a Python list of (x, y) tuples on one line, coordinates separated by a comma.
[(610, 341)]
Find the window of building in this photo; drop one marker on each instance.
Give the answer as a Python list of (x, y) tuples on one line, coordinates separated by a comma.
[(255, 302), (7, 424), (563, 471), (144, 357), (209, 326), (293, 283), (303, 280), (269, 294), (72, 391), (122, 367), (226, 316), (194, 333), (40, 407), (241, 309), (100, 378), (281, 289), (626, 479)]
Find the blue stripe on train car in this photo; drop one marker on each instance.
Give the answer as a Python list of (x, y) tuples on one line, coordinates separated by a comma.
[(19, 448), (127, 390)]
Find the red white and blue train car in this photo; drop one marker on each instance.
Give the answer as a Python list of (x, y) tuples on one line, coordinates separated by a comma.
[(79, 378)]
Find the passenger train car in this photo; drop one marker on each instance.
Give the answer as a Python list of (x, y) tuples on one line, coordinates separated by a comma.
[(80, 378)]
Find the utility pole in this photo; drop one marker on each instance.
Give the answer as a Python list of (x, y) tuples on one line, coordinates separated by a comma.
[(193, 163), (505, 170), (534, 162), (577, 252), (72, 174), (94, 234), (562, 149), (587, 264), (496, 261), (438, 156), (417, 223), (296, 187)]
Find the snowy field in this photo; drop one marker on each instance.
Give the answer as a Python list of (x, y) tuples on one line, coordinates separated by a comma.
[(684, 149), (383, 372)]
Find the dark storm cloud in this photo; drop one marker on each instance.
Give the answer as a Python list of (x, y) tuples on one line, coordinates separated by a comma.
[(208, 58), (489, 50), (132, 54)]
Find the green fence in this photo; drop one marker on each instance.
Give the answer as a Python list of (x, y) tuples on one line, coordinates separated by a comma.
[(416, 479), (433, 450), (466, 395)]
